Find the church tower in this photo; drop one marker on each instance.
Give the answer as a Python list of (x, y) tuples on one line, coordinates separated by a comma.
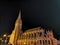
[(18, 23), (17, 31), (18, 28)]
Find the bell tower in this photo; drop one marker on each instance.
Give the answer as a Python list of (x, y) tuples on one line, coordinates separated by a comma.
[(17, 30)]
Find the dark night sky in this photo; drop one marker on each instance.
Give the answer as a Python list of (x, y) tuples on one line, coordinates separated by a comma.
[(45, 13)]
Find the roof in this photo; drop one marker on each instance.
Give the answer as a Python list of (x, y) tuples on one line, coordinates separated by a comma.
[(38, 29)]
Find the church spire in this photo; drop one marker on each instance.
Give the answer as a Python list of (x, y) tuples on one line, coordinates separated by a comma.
[(17, 30), (18, 23)]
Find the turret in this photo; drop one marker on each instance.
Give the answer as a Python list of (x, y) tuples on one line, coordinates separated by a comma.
[(50, 34)]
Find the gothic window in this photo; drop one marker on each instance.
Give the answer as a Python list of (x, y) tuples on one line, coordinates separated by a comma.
[(35, 43), (40, 41), (34, 35), (39, 33), (46, 41), (29, 36), (26, 36), (43, 42), (21, 43), (28, 43), (49, 42), (22, 37), (31, 42)]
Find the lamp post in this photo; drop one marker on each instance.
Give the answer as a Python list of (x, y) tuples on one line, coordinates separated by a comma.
[(5, 40), (4, 35)]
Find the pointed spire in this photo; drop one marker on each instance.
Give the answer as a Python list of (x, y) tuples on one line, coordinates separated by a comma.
[(18, 18), (18, 22), (17, 30)]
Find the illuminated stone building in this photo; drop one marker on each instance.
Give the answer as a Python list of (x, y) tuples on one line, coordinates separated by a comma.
[(35, 36)]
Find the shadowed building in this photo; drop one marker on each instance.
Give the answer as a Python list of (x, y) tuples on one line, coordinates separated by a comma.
[(35, 36), (58, 42)]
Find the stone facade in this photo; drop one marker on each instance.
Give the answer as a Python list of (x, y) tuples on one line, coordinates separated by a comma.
[(35, 36)]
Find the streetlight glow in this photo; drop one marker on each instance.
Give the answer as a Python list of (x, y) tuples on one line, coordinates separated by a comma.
[(4, 35)]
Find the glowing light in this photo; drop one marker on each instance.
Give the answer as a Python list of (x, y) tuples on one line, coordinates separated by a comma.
[(4, 35), (24, 43)]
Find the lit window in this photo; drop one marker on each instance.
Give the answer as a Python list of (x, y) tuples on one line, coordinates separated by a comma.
[(24, 43)]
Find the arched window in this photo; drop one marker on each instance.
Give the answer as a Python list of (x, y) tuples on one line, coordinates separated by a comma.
[(21, 43), (28, 43), (34, 42), (39, 33), (31, 35), (37, 42), (34, 35), (45, 41), (27, 36), (40, 41), (49, 42)]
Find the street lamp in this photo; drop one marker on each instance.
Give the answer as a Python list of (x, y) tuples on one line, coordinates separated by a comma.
[(4, 35), (5, 40)]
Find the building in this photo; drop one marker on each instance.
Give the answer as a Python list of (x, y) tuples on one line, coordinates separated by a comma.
[(35, 36), (58, 42)]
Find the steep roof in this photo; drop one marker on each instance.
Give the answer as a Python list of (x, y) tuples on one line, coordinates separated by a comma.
[(38, 29)]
